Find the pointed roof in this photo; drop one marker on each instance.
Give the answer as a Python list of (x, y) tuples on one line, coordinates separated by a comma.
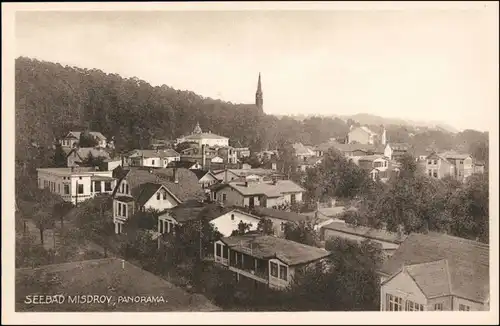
[(197, 129), (259, 86)]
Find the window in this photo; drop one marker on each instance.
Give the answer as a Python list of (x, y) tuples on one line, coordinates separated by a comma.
[(80, 178), (274, 269), (232, 217), (413, 306), (161, 230), (429, 162), (125, 210), (461, 162), (462, 307), (394, 303), (283, 272), (218, 250), (165, 195), (126, 189), (107, 186), (435, 173), (435, 162), (92, 186), (123, 188), (119, 228), (97, 187), (119, 209), (225, 252), (438, 307), (80, 189), (59, 187), (429, 172), (152, 162), (66, 189), (158, 195), (224, 197), (283, 226), (292, 199)]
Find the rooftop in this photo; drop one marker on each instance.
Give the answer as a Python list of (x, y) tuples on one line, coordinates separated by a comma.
[(187, 187), (279, 214), (73, 171), (204, 135), (267, 247), (267, 188), (76, 134), (108, 277), (468, 262), (350, 147), (366, 232), (84, 152), (151, 153)]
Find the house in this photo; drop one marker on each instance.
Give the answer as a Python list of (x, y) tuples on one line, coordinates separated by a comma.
[(389, 241), (75, 156), (112, 163), (182, 213), (206, 179), (158, 189), (253, 192), (227, 154), (73, 137), (436, 271), (76, 184), (227, 175), (242, 152), (159, 158), (349, 150), (308, 162), (185, 165), (362, 135), (478, 167), (204, 138), (377, 165), (459, 166), (394, 151), (280, 218), (325, 215), (227, 222), (302, 152), (265, 260), (109, 276)]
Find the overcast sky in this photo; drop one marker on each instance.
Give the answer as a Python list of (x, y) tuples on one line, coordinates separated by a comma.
[(420, 65)]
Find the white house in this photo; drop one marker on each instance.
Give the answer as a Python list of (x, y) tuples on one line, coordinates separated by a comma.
[(73, 137), (205, 138), (76, 184), (279, 218), (228, 222), (265, 260), (159, 158), (206, 179), (361, 135), (436, 271)]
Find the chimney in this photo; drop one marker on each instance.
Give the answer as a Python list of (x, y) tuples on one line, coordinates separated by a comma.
[(226, 178), (246, 183), (176, 176)]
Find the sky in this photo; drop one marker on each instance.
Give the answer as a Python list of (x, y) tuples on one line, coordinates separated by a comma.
[(421, 64)]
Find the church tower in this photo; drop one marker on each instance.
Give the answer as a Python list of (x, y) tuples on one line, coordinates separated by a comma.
[(259, 101)]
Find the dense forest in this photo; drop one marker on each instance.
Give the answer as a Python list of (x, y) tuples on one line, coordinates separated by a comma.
[(52, 99)]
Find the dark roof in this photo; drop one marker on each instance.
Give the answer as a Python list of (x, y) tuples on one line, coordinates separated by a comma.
[(433, 278), (201, 173), (181, 164), (187, 212), (187, 188), (279, 214), (350, 147), (110, 277), (267, 188), (161, 153), (468, 262), (267, 247), (124, 199), (366, 232)]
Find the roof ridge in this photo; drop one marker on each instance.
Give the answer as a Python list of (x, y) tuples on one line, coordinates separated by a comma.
[(447, 268), (470, 241)]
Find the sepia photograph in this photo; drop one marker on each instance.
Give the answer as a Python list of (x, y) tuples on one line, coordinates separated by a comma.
[(259, 159)]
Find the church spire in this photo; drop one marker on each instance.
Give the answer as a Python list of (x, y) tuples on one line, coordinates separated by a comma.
[(259, 101), (197, 129)]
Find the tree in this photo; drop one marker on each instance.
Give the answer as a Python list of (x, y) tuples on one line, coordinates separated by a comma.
[(43, 220), (146, 220), (302, 232), (242, 228), (59, 157), (185, 145), (93, 161), (61, 210), (29, 253), (469, 206), (265, 226), (87, 140)]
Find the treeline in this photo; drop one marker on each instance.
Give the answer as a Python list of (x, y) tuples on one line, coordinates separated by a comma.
[(52, 99), (408, 202)]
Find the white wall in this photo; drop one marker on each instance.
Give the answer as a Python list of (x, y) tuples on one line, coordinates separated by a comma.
[(228, 222), (161, 204), (402, 285)]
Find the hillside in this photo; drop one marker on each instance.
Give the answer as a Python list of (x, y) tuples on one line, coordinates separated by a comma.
[(52, 99)]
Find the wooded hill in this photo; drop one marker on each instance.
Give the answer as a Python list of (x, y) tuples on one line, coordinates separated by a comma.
[(52, 99)]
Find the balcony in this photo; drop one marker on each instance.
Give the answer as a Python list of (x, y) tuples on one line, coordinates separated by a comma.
[(247, 268)]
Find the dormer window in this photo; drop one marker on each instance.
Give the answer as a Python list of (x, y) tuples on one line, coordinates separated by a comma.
[(232, 217)]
